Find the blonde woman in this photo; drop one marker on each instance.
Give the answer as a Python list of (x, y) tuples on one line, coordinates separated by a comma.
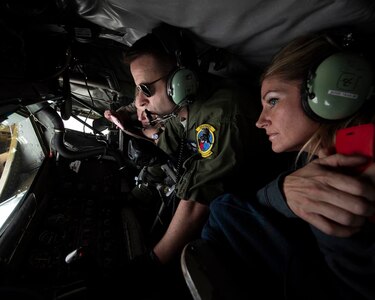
[(308, 235)]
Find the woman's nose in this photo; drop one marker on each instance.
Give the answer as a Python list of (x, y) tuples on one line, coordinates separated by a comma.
[(262, 121)]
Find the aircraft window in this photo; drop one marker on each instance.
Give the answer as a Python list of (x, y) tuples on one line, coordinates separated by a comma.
[(74, 124), (21, 155)]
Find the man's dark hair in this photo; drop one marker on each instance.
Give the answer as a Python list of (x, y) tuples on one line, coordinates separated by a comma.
[(149, 44)]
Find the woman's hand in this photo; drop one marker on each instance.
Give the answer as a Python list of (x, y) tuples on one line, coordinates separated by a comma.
[(325, 195)]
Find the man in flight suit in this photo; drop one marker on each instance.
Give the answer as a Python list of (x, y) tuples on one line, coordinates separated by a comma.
[(205, 123)]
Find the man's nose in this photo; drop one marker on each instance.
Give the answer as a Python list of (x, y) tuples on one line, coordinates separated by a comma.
[(140, 101)]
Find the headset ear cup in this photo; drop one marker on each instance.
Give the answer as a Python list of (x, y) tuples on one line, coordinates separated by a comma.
[(182, 84), (338, 88), (307, 95)]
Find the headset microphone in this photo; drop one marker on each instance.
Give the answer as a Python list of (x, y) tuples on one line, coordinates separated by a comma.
[(149, 116), (161, 119)]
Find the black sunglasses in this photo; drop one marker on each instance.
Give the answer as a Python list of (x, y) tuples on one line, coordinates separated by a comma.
[(146, 89)]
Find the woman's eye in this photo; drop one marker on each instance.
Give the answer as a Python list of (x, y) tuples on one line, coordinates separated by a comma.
[(272, 101)]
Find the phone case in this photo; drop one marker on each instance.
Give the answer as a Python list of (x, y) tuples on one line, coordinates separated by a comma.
[(356, 140)]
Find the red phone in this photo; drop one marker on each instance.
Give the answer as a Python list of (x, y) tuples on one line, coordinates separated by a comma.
[(357, 140)]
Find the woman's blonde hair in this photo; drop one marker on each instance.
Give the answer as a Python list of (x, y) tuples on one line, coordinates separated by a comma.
[(293, 63)]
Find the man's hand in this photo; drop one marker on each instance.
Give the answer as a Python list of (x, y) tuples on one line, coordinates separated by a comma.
[(126, 118), (115, 118), (325, 196)]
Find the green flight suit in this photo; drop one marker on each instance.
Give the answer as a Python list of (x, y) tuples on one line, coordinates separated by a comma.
[(221, 129)]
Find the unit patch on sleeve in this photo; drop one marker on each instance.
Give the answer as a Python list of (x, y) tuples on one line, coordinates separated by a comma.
[(205, 139)]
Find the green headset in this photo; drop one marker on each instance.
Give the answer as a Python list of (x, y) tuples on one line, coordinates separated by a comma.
[(338, 87), (182, 85), (183, 81)]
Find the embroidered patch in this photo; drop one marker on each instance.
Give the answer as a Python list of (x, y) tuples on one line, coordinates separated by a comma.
[(205, 139)]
